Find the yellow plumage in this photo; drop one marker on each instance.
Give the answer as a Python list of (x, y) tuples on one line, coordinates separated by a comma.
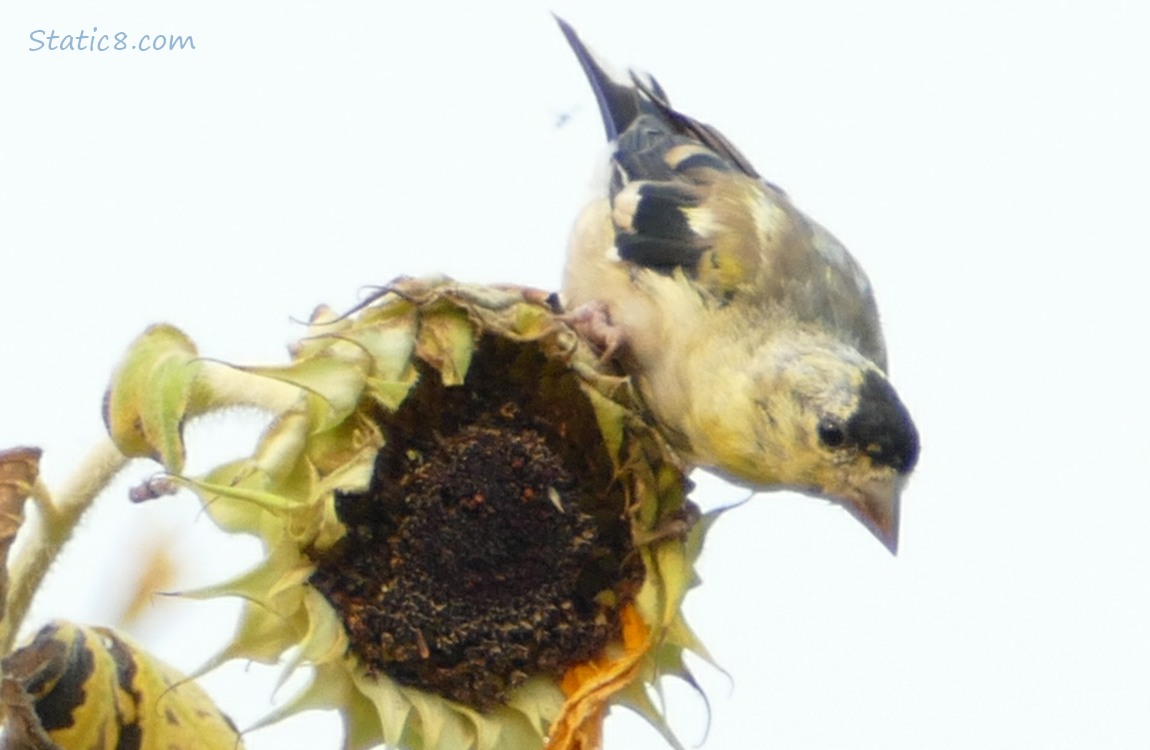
[(751, 333)]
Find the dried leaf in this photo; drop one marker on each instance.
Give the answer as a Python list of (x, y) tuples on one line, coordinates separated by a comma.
[(76, 687), (19, 469)]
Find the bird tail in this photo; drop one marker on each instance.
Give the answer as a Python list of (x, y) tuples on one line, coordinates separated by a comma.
[(620, 103)]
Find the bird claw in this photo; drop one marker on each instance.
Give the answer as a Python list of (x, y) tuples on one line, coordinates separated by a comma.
[(677, 525), (593, 323)]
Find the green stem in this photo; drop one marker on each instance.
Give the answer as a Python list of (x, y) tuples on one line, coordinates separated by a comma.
[(232, 386), (59, 520)]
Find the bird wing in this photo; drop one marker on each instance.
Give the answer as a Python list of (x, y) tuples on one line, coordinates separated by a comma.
[(685, 200)]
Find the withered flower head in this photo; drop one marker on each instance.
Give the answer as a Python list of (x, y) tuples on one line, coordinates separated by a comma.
[(473, 538)]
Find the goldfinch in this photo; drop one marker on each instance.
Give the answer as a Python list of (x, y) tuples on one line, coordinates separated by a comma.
[(750, 332)]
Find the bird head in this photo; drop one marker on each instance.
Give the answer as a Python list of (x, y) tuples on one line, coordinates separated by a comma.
[(826, 422)]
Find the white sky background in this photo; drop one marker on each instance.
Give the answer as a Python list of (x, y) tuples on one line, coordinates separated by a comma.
[(985, 161)]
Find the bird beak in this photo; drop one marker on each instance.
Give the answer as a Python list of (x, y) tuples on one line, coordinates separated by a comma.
[(874, 500)]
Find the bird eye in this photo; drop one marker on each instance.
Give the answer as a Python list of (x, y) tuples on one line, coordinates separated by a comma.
[(831, 433)]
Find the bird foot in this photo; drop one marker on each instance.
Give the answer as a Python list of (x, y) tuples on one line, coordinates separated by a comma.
[(593, 323), (675, 526)]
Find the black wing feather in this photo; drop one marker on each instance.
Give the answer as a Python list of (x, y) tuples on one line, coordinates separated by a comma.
[(639, 119)]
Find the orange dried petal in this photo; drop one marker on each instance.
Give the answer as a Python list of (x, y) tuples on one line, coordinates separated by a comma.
[(590, 686)]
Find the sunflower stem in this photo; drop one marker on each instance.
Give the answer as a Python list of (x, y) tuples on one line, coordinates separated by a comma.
[(60, 518), (232, 386)]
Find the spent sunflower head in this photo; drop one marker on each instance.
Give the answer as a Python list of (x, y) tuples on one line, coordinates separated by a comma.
[(472, 536)]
